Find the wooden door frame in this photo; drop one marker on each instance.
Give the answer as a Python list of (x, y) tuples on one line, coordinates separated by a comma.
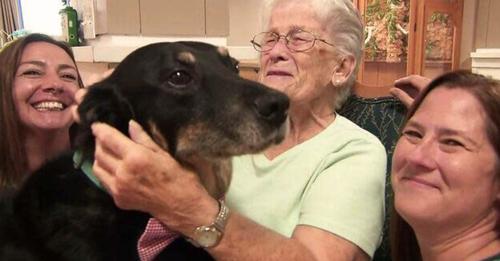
[(416, 37), (423, 11)]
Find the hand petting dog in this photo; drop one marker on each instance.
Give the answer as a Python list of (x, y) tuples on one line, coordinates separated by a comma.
[(142, 176), (187, 112)]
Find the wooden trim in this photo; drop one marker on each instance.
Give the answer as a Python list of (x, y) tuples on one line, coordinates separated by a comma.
[(481, 28), (410, 64), (366, 91), (419, 38), (457, 37), (493, 36)]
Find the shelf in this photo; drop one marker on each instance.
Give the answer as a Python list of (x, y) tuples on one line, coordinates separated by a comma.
[(382, 61)]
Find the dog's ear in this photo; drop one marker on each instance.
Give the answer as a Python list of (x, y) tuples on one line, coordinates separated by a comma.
[(232, 63), (103, 103)]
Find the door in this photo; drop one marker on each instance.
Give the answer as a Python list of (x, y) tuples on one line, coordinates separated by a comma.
[(438, 37), (405, 37)]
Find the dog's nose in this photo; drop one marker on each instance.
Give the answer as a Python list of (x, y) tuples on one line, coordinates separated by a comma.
[(272, 107)]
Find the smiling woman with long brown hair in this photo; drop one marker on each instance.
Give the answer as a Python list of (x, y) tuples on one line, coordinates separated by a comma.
[(446, 173), (38, 79)]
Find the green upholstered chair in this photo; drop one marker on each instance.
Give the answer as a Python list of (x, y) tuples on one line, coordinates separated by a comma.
[(382, 115)]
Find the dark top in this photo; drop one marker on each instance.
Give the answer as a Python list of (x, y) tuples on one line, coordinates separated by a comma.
[(493, 258)]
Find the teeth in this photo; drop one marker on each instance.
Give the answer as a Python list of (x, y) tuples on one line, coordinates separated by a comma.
[(49, 106)]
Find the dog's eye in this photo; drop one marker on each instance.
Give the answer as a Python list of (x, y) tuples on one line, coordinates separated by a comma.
[(179, 79)]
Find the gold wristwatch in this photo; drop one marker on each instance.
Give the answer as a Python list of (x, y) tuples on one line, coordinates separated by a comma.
[(210, 236)]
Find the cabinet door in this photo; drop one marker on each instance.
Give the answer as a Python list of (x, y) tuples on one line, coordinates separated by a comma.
[(388, 38), (438, 37), (173, 17), (409, 37), (122, 17)]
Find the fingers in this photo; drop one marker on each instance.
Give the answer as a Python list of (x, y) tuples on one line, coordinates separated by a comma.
[(94, 78), (111, 140), (106, 178), (401, 95), (105, 159), (140, 136), (415, 81), (408, 88), (107, 73), (111, 148), (74, 113), (403, 81), (79, 95)]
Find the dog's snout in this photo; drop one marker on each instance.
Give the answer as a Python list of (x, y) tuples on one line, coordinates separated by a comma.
[(272, 107)]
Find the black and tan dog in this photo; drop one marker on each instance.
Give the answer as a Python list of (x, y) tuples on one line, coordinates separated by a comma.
[(189, 98)]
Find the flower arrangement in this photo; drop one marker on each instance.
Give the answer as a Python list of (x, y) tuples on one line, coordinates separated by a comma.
[(386, 31)]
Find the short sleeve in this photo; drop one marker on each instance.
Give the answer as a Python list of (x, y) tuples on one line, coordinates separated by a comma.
[(347, 195)]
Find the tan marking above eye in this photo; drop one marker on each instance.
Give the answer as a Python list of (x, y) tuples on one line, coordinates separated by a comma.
[(223, 51), (186, 57)]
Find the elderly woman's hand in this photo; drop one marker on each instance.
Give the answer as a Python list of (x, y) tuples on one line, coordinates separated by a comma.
[(140, 175), (407, 88)]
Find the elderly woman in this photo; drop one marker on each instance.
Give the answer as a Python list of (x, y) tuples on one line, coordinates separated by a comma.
[(38, 80), (319, 195), (446, 173)]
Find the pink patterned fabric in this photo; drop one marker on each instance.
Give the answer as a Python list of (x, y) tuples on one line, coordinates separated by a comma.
[(154, 239)]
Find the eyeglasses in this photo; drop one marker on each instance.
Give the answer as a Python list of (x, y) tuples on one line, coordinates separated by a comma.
[(296, 40)]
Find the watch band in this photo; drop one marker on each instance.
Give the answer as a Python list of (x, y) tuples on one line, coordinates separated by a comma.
[(210, 236), (221, 219)]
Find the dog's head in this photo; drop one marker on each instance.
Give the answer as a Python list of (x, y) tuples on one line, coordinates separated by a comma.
[(189, 98)]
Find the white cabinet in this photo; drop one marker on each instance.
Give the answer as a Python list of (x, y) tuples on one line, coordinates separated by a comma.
[(486, 61)]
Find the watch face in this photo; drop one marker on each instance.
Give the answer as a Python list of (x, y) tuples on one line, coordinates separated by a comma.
[(207, 236)]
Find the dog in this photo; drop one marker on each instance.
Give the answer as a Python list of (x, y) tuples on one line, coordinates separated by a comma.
[(190, 100)]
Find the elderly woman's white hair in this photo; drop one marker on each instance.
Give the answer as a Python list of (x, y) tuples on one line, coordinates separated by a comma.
[(344, 25)]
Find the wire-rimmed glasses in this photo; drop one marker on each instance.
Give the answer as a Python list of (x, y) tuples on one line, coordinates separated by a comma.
[(296, 40)]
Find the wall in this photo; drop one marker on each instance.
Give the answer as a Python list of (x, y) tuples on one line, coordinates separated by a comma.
[(483, 32), (468, 29), (244, 21), (487, 34)]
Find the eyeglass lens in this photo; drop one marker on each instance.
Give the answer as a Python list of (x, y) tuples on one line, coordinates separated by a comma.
[(295, 40)]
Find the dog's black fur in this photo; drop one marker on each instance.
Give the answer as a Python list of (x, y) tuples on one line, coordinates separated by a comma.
[(189, 98)]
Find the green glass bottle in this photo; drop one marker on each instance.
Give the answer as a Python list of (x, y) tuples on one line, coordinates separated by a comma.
[(69, 24)]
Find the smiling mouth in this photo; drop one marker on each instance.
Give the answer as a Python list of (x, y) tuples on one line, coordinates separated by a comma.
[(49, 106), (278, 73), (421, 182)]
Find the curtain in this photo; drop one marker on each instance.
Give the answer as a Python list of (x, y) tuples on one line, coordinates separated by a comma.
[(10, 18)]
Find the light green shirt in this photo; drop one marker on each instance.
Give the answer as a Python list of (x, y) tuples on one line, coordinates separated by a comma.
[(334, 181)]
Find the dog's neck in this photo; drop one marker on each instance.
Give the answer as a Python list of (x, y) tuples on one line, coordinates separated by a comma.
[(214, 174)]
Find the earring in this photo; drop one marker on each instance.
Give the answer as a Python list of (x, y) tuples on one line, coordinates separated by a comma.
[(337, 79)]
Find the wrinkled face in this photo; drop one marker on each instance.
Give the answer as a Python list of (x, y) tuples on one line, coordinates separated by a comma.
[(445, 170), (44, 86), (303, 76)]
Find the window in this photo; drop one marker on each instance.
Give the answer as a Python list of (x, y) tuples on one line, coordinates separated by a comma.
[(41, 16)]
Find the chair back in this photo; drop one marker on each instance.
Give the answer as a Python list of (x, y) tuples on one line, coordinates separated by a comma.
[(373, 109)]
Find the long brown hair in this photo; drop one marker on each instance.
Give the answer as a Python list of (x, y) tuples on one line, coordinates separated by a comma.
[(13, 160), (404, 245)]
